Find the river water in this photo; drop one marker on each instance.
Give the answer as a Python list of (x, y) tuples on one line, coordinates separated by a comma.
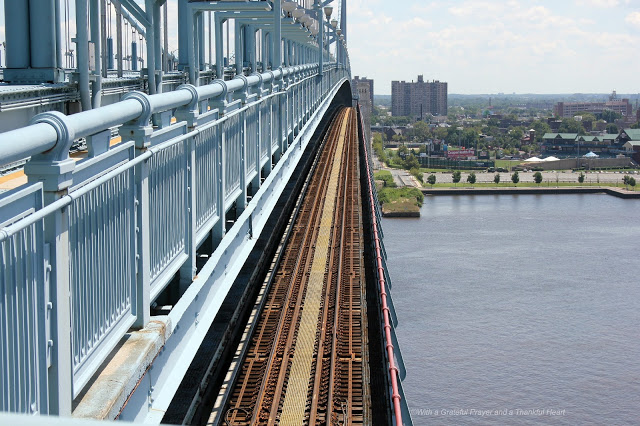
[(519, 309)]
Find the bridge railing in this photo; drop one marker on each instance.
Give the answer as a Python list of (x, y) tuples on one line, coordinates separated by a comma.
[(86, 246), (393, 355)]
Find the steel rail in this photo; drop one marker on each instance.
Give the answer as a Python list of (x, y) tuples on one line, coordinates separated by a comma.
[(337, 241), (336, 385), (283, 372), (337, 307), (288, 241), (268, 332)]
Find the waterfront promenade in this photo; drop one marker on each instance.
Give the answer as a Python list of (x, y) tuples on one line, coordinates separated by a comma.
[(548, 177), (515, 190)]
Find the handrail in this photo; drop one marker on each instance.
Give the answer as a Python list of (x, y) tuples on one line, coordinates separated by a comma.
[(393, 370), (41, 137)]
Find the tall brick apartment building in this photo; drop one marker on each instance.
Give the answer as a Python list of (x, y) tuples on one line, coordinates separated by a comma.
[(419, 98)]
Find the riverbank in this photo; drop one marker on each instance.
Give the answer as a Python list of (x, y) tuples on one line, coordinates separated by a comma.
[(466, 190)]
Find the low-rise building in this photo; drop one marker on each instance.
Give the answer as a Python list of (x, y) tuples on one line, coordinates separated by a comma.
[(564, 145), (633, 150), (569, 109)]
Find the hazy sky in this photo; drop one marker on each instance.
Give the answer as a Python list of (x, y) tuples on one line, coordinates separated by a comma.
[(532, 46), (490, 46)]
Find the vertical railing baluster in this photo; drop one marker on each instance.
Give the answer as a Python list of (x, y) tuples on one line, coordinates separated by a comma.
[(140, 131), (54, 169), (189, 113)]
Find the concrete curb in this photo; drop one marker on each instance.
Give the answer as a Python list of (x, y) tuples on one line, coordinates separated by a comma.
[(123, 371)]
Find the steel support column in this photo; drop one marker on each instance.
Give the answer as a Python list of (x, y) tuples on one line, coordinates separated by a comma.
[(277, 34), (219, 51), (82, 52), (201, 46), (151, 51), (183, 34), (32, 35), (94, 18), (17, 35), (239, 48), (119, 53), (156, 44)]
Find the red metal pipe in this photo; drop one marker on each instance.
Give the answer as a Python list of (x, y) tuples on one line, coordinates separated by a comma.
[(393, 370)]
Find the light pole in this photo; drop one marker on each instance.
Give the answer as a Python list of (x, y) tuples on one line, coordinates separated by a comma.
[(328, 10)]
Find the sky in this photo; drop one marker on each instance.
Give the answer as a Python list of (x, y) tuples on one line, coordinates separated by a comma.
[(532, 46), (489, 46)]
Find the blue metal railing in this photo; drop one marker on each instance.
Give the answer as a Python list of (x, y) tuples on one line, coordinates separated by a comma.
[(106, 234), (397, 372), (23, 339)]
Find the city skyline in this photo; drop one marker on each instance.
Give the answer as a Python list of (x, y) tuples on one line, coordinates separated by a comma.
[(489, 46), (484, 47)]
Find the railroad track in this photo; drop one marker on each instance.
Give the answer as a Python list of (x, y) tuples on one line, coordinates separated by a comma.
[(306, 362)]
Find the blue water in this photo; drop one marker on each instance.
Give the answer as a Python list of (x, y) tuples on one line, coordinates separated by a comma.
[(523, 308)]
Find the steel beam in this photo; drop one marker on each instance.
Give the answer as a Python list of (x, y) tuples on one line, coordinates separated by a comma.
[(139, 26), (136, 11)]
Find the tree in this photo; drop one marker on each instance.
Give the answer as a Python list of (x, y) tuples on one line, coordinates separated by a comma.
[(537, 178), (587, 116), (610, 116), (628, 181), (612, 129), (398, 138), (569, 125), (471, 178), (415, 171), (421, 131), (632, 182), (431, 179), (455, 176), (440, 133), (516, 133), (581, 177), (515, 178), (411, 162), (496, 178), (541, 128)]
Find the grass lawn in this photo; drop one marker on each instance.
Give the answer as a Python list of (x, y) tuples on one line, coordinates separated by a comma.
[(507, 164), (401, 206)]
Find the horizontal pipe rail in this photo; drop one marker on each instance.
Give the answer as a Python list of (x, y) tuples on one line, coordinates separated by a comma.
[(40, 137)]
